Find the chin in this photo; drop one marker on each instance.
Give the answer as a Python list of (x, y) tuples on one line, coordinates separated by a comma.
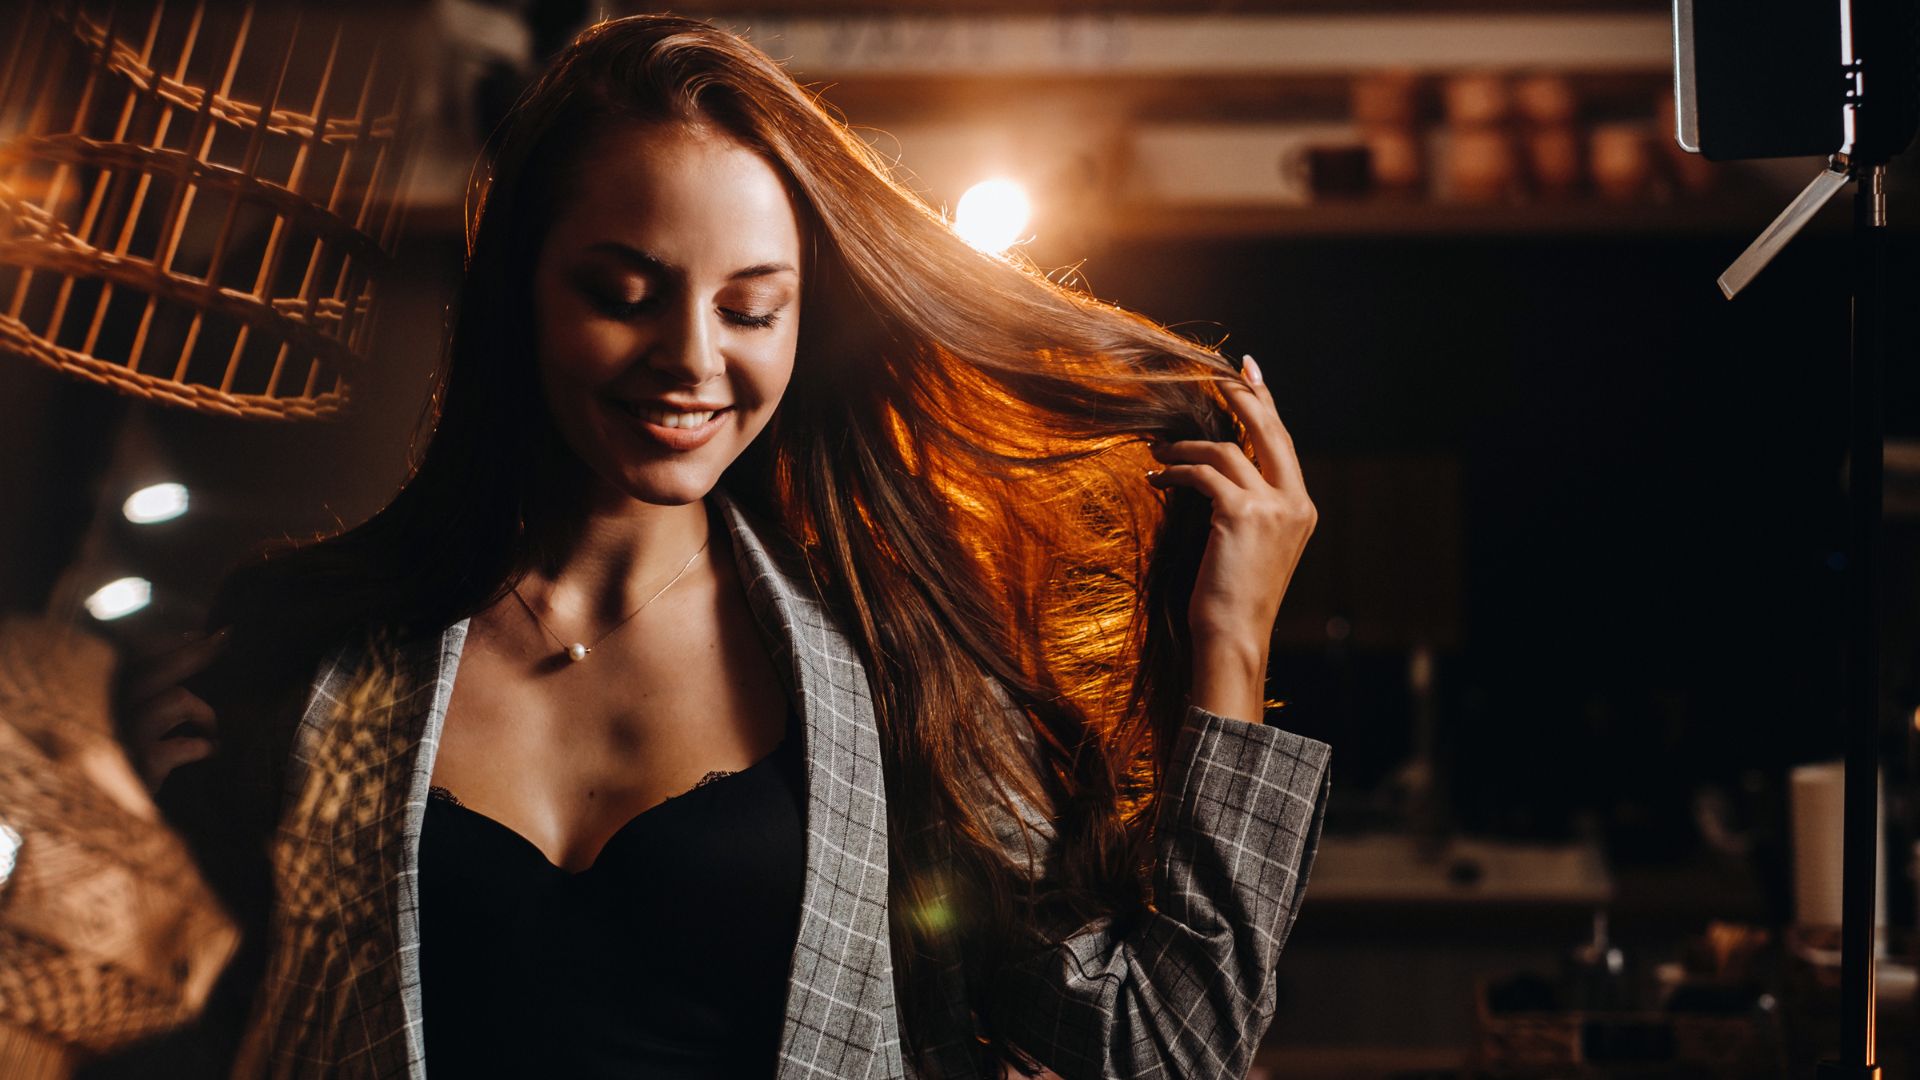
[(674, 485)]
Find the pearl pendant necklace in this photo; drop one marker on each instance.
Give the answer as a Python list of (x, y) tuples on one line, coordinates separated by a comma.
[(579, 650)]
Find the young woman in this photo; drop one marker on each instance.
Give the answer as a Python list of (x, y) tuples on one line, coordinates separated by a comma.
[(806, 646)]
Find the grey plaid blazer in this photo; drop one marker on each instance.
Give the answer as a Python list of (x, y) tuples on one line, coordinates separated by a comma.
[(1185, 993)]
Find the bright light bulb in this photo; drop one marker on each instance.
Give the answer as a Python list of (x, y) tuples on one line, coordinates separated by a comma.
[(992, 215), (156, 502), (117, 598)]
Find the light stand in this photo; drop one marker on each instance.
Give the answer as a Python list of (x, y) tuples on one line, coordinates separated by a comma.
[(1877, 128), (1866, 423)]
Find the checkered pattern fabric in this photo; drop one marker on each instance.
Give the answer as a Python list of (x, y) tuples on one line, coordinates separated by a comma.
[(1186, 994), (342, 991), (1189, 990)]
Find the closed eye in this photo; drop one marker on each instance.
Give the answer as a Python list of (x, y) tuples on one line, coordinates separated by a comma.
[(620, 309), (629, 309), (759, 321)]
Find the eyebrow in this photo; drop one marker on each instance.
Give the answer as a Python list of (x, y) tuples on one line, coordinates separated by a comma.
[(654, 264)]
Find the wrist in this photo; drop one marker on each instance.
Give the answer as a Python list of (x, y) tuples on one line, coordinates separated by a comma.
[(1230, 678)]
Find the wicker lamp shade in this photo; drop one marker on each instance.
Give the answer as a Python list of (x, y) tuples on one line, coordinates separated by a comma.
[(198, 203), (108, 931)]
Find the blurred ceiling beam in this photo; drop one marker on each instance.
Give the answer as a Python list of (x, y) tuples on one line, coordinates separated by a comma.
[(1166, 46)]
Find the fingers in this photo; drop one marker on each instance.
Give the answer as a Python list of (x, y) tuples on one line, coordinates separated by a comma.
[(165, 724), (1202, 478), (169, 714), (1252, 401), (169, 730), (169, 755), (170, 668), (1225, 457)]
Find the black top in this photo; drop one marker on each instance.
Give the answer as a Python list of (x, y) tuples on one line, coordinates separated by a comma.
[(668, 957)]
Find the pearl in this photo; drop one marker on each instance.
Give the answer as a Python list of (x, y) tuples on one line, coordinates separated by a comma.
[(577, 651)]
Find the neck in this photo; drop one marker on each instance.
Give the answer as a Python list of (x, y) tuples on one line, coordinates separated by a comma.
[(611, 553)]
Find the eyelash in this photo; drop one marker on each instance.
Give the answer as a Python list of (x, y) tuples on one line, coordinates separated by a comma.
[(755, 322), (616, 309)]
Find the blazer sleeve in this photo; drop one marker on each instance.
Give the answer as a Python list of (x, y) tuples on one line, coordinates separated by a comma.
[(1188, 989)]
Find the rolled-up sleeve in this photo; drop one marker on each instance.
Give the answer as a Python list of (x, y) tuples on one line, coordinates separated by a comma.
[(1187, 989)]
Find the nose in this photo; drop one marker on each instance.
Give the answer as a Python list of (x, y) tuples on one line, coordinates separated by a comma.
[(686, 351)]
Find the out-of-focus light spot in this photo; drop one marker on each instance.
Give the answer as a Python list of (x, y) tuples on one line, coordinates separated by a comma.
[(117, 598), (1916, 719), (1339, 629), (155, 502), (992, 215), (935, 917), (9, 853)]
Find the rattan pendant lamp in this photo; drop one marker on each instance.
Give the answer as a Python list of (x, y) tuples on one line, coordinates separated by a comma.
[(198, 203)]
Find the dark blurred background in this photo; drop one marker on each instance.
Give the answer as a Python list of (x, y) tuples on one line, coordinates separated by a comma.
[(1571, 616)]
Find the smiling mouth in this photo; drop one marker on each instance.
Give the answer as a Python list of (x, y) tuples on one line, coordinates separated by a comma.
[(669, 418)]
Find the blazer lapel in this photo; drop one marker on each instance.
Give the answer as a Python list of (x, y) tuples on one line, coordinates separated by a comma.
[(344, 991), (841, 1019)]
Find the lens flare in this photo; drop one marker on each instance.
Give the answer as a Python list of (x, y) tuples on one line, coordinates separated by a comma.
[(992, 215)]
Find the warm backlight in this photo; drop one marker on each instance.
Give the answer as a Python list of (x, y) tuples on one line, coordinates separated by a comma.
[(993, 215)]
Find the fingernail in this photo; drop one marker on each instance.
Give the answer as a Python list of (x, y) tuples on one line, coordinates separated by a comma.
[(1155, 474), (1252, 369)]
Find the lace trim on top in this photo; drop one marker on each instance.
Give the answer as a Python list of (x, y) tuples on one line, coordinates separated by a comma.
[(437, 792)]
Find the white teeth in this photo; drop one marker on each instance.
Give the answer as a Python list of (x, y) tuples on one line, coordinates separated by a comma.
[(669, 417), (677, 419)]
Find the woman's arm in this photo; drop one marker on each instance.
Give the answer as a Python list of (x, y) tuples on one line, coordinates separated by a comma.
[(1260, 524), (1187, 990)]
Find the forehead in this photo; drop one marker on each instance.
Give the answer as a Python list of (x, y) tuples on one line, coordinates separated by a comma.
[(697, 196)]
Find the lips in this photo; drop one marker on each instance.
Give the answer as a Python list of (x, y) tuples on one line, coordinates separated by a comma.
[(674, 428)]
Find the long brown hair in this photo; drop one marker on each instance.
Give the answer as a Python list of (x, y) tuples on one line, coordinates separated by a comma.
[(960, 456)]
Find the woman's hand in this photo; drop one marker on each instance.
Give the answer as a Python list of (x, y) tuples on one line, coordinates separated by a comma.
[(166, 725), (1261, 521)]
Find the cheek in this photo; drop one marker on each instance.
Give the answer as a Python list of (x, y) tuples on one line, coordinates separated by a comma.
[(574, 347), (766, 373), (553, 337)]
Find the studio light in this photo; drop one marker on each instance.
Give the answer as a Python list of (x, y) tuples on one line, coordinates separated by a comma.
[(992, 215), (118, 598), (154, 503)]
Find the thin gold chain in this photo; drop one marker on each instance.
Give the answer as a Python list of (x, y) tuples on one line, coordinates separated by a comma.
[(565, 647)]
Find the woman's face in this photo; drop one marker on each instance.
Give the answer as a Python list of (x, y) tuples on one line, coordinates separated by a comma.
[(667, 305)]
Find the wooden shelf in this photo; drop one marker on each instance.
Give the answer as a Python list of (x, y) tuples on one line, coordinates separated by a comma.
[(1183, 43), (1412, 218)]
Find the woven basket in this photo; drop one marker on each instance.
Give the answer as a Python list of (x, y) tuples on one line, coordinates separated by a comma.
[(198, 204)]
